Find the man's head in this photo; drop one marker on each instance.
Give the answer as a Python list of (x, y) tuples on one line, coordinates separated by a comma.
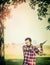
[(28, 41)]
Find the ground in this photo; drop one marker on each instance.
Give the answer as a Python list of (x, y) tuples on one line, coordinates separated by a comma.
[(40, 61), (12, 57)]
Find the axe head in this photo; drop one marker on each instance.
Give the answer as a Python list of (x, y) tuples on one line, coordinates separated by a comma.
[(43, 42)]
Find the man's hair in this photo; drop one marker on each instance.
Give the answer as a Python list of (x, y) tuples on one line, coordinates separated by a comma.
[(28, 39)]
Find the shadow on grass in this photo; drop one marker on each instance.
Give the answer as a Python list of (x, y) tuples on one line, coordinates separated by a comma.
[(14, 62), (40, 61)]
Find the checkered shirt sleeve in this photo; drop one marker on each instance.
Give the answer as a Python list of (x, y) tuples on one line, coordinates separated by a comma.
[(29, 55)]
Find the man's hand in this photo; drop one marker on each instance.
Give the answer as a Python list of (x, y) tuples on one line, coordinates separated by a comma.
[(41, 45)]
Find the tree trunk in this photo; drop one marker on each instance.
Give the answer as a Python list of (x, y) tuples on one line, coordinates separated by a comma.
[(2, 61)]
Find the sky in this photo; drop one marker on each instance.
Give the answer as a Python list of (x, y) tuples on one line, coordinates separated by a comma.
[(24, 23)]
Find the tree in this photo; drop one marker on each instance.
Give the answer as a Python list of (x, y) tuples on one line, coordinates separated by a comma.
[(2, 62), (48, 27), (5, 12), (4, 7), (43, 7)]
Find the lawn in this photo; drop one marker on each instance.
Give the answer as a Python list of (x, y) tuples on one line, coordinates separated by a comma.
[(14, 57), (40, 61)]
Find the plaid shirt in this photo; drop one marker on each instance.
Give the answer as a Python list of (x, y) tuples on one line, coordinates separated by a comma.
[(29, 55)]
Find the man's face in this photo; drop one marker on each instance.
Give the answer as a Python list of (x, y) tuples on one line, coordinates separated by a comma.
[(27, 42)]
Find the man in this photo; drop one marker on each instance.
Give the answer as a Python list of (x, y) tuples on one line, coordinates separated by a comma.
[(29, 52)]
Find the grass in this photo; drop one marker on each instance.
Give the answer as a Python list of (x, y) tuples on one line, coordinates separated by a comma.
[(18, 59), (40, 61)]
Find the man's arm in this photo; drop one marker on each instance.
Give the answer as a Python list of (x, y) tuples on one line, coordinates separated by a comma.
[(38, 51), (41, 45), (24, 49)]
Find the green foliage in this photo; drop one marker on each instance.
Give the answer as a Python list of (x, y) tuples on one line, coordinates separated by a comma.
[(6, 3), (43, 7), (49, 20), (48, 27)]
